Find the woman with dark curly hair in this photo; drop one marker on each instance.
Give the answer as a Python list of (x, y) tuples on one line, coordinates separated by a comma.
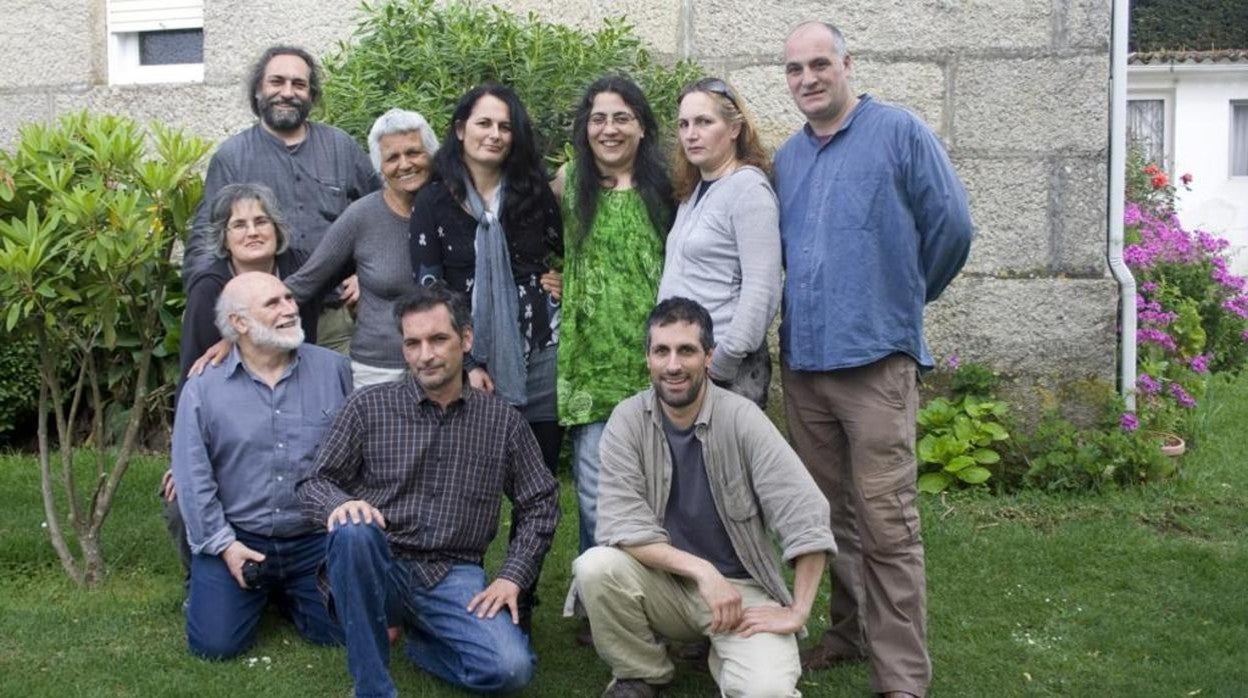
[(489, 225), (617, 207)]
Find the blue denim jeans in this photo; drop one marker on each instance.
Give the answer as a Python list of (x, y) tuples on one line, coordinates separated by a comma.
[(585, 464), (371, 591), (222, 617)]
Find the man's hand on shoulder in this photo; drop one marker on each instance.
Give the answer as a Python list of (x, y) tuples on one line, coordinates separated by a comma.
[(781, 620), (234, 556), (355, 511), (492, 599), (722, 598)]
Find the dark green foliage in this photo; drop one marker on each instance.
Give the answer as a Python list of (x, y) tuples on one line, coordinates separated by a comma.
[(1064, 457), (1194, 25), (415, 55), (973, 378), (19, 384)]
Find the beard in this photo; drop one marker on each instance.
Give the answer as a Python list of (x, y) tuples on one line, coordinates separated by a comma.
[(287, 339), (679, 398), (283, 119)]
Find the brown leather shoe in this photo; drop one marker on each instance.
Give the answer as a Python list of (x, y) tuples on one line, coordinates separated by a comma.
[(585, 635), (695, 653), (820, 657), (631, 688)]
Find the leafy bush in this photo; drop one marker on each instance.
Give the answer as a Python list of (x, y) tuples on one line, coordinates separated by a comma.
[(958, 436), (1064, 457), (19, 380), (416, 55), (89, 220), (1158, 25)]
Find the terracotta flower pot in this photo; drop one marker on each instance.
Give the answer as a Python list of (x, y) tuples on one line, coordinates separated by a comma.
[(1172, 445)]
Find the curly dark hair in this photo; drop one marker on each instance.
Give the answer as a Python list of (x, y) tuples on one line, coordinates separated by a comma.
[(649, 168), (523, 167), (257, 74)]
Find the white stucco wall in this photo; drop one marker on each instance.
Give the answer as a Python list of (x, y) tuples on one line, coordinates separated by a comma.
[(1201, 112)]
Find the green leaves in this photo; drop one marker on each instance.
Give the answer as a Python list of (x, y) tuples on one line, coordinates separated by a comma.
[(421, 56), (87, 224), (958, 438)]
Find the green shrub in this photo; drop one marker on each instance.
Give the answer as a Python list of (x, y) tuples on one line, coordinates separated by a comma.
[(1058, 456), (90, 210), (1158, 25), (959, 435), (415, 55), (19, 383)]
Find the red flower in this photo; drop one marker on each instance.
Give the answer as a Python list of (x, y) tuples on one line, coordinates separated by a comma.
[(1160, 180), (1151, 170), (1186, 179)]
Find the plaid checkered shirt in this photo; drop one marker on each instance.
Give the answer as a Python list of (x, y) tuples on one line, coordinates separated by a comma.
[(437, 477)]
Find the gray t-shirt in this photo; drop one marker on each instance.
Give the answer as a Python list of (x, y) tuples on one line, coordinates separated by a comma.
[(691, 520)]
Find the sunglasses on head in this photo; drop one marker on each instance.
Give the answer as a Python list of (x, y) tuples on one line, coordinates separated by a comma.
[(715, 86)]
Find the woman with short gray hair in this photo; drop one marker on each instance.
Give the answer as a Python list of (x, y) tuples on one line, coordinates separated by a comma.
[(371, 235)]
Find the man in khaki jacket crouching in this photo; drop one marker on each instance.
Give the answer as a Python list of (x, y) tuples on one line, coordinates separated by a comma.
[(672, 456)]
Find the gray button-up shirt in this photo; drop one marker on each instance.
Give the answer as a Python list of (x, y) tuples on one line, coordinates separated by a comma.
[(239, 446)]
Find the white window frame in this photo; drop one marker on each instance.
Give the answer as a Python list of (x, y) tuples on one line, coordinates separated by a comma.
[(1230, 139), (1167, 110), (129, 19)]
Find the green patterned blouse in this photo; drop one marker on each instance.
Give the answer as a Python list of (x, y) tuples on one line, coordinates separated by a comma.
[(610, 283)]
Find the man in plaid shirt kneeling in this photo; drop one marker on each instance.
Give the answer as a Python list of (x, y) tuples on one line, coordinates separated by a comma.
[(409, 481)]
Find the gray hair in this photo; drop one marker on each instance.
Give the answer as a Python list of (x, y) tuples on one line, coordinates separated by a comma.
[(228, 303), (838, 37), (223, 207), (399, 121)]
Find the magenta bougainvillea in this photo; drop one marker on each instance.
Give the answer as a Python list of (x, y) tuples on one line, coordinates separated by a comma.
[(1192, 311)]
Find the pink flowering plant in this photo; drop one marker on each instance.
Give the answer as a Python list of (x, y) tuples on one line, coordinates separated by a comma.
[(1193, 313)]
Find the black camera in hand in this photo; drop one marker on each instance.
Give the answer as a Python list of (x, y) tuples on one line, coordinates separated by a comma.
[(253, 574)]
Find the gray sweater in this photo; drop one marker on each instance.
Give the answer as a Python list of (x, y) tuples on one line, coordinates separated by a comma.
[(724, 252), (375, 237)]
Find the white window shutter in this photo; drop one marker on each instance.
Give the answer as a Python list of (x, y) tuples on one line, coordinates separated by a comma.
[(126, 16)]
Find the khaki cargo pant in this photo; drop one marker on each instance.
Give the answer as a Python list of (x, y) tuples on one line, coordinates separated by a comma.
[(855, 429), (629, 603)]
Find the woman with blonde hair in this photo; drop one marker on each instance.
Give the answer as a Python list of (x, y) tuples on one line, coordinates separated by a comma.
[(724, 249)]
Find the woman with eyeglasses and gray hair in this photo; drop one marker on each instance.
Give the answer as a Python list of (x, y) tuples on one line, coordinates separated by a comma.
[(723, 251), (371, 237), (247, 233)]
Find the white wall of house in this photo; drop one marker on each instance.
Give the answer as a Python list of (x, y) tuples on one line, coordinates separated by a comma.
[(1198, 111)]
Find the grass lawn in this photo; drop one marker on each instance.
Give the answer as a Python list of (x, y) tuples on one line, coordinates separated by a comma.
[(1137, 592)]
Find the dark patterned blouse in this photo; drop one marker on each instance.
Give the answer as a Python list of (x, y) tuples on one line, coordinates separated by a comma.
[(443, 236)]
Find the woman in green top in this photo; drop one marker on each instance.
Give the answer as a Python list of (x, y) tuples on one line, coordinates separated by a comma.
[(617, 208)]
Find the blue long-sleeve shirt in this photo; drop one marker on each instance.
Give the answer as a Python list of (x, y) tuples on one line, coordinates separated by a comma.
[(239, 447), (874, 223)]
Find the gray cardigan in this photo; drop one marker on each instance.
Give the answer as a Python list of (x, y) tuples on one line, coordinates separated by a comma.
[(724, 252), (375, 237), (757, 482)]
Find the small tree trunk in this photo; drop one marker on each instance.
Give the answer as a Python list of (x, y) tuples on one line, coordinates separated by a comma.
[(49, 500)]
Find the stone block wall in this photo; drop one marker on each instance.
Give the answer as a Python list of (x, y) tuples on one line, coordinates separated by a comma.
[(1017, 89)]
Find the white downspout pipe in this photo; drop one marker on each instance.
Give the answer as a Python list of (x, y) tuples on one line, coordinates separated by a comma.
[(1117, 194)]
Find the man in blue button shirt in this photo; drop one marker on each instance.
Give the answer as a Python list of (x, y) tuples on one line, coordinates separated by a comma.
[(245, 433), (874, 224)]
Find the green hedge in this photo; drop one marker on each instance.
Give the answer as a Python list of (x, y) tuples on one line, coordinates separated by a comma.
[(415, 55), (19, 384), (1158, 25)]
